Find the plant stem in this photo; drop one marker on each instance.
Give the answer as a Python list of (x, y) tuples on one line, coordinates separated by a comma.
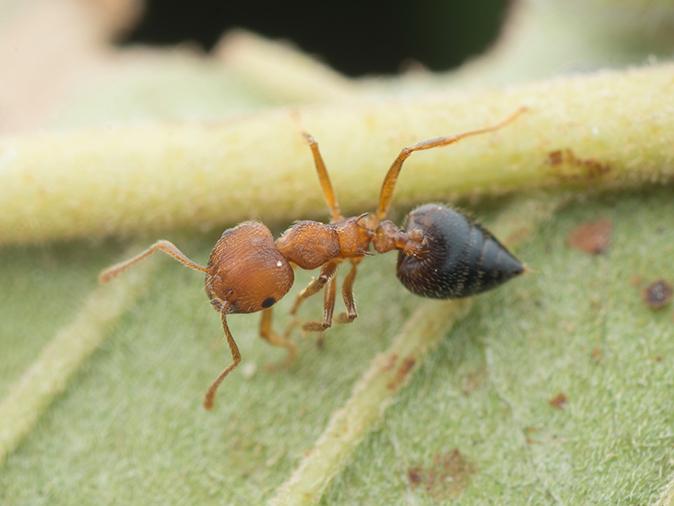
[(603, 130)]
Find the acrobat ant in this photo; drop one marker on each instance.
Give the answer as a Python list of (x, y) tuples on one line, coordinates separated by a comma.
[(441, 254)]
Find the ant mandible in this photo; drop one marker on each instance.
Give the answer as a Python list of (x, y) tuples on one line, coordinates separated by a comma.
[(441, 254)]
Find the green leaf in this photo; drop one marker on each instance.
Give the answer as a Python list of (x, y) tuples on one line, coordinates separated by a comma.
[(578, 327), (556, 388), (130, 429)]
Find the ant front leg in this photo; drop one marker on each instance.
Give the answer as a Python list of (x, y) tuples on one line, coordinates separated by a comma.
[(275, 339), (164, 246), (328, 308), (233, 348), (347, 293)]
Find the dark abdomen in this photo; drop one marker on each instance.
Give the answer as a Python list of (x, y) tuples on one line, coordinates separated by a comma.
[(460, 259)]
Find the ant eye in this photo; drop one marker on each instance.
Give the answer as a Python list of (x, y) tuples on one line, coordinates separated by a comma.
[(460, 258), (268, 302)]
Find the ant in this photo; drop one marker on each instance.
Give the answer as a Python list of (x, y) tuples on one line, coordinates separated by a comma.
[(441, 254)]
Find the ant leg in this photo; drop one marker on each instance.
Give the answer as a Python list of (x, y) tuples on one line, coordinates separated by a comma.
[(328, 308), (324, 178), (387, 187), (165, 246), (347, 294), (314, 286), (236, 358), (275, 339)]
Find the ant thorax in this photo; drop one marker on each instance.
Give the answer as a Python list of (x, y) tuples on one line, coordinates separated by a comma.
[(310, 244)]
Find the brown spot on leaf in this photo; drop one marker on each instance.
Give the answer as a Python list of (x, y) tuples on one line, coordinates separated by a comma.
[(592, 237), (558, 401), (401, 373), (473, 380), (596, 302), (446, 478), (636, 280), (414, 475), (529, 432), (555, 157), (658, 294), (518, 235), (569, 326), (569, 167)]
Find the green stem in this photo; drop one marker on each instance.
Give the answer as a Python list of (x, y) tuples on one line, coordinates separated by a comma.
[(597, 131)]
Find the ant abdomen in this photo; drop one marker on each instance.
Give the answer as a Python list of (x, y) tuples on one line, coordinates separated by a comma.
[(459, 257)]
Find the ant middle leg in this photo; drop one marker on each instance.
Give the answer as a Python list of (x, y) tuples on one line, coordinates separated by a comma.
[(347, 293), (314, 286), (328, 308), (268, 334), (236, 357), (164, 246)]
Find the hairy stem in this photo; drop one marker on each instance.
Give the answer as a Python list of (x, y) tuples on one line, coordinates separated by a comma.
[(607, 129)]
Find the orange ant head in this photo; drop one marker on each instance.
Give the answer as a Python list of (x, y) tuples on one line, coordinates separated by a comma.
[(246, 270)]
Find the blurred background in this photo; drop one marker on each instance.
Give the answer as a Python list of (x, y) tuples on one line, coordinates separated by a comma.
[(362, 39), (125, 60)]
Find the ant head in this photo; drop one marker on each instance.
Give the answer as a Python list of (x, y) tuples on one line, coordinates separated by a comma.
[(246, 270)]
